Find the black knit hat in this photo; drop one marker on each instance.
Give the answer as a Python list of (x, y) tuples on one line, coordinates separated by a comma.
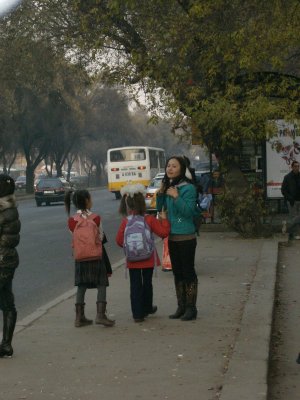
[(7, 185)]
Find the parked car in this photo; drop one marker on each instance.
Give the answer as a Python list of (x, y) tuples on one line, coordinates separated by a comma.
[(79, 181), (150, 196), (20, 183), (38, 178), (50, 190)]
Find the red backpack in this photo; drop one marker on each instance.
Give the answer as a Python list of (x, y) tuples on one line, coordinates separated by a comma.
[(86, 242)]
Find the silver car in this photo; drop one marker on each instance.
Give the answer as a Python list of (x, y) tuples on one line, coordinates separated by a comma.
[(20, 182), (150, 196)]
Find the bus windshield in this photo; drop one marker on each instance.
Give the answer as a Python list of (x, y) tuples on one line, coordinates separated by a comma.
[(127, 155)]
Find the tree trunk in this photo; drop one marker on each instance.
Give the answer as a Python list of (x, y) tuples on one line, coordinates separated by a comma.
[(59, 170), (30, 179), (235, 180), (98, 174)]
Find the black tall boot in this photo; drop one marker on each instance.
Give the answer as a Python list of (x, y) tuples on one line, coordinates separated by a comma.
[(180, 294), (191, 300), (9, 323)]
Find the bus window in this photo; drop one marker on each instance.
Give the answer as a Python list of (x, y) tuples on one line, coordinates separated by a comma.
[(116, 156), (138, 156), (162, 160), (128, 155), (153, 156)]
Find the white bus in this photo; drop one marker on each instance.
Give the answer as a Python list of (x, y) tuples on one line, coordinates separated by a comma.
[(133, 164)]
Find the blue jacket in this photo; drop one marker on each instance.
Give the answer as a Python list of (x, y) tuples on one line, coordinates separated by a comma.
[(181, 211)]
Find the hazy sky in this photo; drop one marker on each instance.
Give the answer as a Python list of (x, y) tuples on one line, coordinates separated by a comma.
[(6, 5)]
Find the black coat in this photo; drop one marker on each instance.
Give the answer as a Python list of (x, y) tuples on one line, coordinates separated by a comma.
[(105, 258), (9, 232), (290, 187)]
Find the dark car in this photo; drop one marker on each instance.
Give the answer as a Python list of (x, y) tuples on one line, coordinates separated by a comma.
[(20, 182), (38, 178), (50, 190)]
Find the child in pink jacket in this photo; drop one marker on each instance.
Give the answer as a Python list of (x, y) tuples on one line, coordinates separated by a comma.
[(141, 272)]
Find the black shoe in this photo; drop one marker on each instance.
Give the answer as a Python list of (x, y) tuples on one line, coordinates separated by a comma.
[(298, 359), (190, 314), (6, 350), (178, 313), (139, 319), (152, 311)]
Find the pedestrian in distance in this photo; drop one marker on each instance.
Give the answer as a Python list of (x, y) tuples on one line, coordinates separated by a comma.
[(178, 197), (90, 265), (9, 260), (290, 190), (135, 235)]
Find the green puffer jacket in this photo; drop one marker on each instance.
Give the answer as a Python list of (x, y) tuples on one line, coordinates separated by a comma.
[(9, 232), (181, 211)]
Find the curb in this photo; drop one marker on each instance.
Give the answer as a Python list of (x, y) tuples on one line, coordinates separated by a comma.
[(246, 377)]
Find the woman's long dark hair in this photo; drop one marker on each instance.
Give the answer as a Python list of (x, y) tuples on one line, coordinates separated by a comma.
[(79, 199), (181, 178)]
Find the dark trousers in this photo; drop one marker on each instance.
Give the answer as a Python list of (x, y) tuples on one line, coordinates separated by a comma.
[(182, 255), (294, 217), (7, 301), (141, 291)]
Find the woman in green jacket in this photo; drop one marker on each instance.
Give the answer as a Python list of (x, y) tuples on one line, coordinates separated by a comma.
[(177, 196)]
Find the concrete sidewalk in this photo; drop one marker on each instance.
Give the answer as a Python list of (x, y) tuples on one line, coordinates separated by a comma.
[(222, 355), (284, 374)]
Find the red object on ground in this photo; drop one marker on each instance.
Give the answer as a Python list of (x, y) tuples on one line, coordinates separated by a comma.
[(166, 262)]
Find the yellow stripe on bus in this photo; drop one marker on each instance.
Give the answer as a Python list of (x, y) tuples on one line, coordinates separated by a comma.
[(116, 186)]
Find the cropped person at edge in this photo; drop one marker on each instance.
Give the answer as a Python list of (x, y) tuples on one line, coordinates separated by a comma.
[(177, 196), (9, 260)]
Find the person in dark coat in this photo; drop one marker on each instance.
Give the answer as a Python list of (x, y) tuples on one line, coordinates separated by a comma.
[(9, 260), (290, 190)]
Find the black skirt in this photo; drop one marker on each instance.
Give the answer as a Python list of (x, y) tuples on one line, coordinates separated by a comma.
[(91, 274)]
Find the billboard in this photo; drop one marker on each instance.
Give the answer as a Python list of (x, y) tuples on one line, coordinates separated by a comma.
[(281, 150)]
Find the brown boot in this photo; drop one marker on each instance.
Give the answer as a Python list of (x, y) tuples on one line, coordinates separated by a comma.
[(101, 317), (81, 320)]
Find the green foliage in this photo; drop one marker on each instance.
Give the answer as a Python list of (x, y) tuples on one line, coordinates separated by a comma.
[(227, 66), (244, 212)]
